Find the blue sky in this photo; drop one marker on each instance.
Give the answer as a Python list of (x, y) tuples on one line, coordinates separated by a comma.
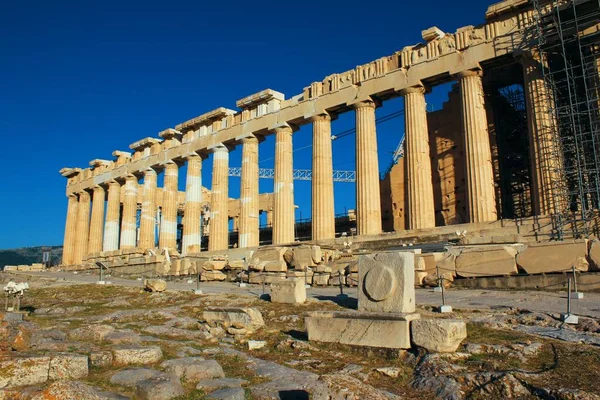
[(81, 79)]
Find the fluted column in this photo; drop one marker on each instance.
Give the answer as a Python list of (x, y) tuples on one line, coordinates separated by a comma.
[(542, 126), (148, 217), (128, 224), (248, 221), (368, 204), (82, 228), (70, 231), (481, 200), (97, 220), (283, 192), (192, 218), (168, 225), (421, 209), (323, 214), (113, 212), (218, 236)]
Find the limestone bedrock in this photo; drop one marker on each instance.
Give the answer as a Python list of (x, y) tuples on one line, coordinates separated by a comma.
[(387, 282)]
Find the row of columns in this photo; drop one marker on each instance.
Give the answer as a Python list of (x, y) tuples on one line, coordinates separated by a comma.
[(481, 205)]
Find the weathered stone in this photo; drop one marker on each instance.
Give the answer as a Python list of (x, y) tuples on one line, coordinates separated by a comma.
[(594, 254), (323, 268), (213, 276), (131, 377), (93, 333), (292, 291), (438, 335), (317, 254), (193, 369), (155, 285), (214, 265), (126, 355), (162, 387), (256, 344), (101, 359), (249, 318), (68, 390), (321, 279), (542, 258), (68, 366), (392, 372), (24, 371), (485, 261), (266, 277), (387, 282), (211, 384), (303, 257), (123, 337), (275, 266), (265, 255), (228, 394), (385, 330), (346, 387), (237, 263)]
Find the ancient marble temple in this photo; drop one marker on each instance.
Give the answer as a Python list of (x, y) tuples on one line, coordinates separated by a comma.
[(111, 214)]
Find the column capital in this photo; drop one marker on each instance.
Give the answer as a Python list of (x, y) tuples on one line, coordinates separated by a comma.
[(97, 188), (527, 56), (367, 103), (72, 195), (170, 164), (219, 148), (112, 183), (469, 72), (149, 171), (193, 156), (130, 177), (324, 116), (285, 128), (413, 89)]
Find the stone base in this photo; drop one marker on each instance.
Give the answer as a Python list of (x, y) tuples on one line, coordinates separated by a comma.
[(445, 309), (569, 319), (197, 291), (577, 295), (391, 331)]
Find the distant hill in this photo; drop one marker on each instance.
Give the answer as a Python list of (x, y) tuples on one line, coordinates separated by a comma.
[(28, 255)]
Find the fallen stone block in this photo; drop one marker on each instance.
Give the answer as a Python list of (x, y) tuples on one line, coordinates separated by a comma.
[(275, 266), (594, 254), (227, 394), (155, 285), (94, 333), (68, 390), (24, 371), (214, 265), (256, 344), (213, 276), (101, 359), (542, 258), (485, 261), (161, 387), (193, 369), (248, 318), (384, 330), (265, 255), (211, 384), (127, 355), (387, 282), (68, 366), (237, 263), (266, 277), (438, 335), (346, 387), (131, 377), (303, 257), (291, 292), (123, 337), (321, 279)]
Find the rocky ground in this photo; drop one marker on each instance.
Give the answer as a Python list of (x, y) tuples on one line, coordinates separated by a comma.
[(91, 342)]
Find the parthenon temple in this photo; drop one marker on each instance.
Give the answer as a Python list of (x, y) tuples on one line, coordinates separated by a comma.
[(492, 155)]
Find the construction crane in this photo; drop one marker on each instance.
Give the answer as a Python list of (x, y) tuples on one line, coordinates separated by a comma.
[(299, 174)]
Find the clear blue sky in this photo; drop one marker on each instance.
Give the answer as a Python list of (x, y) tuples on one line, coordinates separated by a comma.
[(81, 79)]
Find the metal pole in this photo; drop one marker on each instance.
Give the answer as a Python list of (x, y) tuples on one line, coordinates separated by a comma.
[(198, 281), (263, 283), (574, 280), (340, 280), (569, 298), (441, 283)]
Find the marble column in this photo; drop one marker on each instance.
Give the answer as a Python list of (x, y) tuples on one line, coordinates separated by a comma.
[(368, 204), (218, 237), (419, 183), (249, 212), (82, 228), (148, 216), (323, 213), (543, 149), (168, 225), (113, 214), (97, 220), (70, 230), (192, 218), (128, 223), (283, 192), (479, 174)]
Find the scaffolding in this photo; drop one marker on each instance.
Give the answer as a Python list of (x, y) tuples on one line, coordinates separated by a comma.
[(567, 39)]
